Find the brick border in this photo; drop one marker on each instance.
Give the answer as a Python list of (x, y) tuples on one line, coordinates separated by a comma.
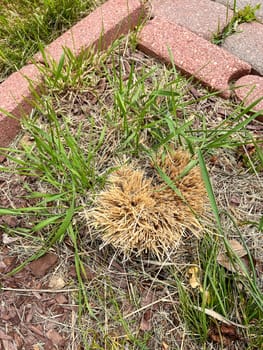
[(192, 54), (248, 89), (179, 32), (97, 30)]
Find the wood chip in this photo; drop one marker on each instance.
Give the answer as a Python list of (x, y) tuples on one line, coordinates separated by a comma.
[(41, 266), (146, 324), (55, 337), (4, 336)]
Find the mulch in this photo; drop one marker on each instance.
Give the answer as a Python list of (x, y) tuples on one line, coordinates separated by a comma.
[(31, 318)]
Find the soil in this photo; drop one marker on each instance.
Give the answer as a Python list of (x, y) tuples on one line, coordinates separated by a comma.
[(38, 305)]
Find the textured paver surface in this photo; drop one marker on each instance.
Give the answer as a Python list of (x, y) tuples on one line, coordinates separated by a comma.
[(203, 17), (99, 29), (242, 3), (249, 89), (247, 44), (15, 99), (192, 54)]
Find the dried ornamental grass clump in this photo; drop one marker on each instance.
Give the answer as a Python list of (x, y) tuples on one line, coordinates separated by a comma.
[(134, 215), (190, 185)]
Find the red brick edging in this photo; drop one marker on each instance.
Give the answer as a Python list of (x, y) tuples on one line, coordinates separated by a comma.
[(249, 89), (16, 97), (181, 30), (192, 55)]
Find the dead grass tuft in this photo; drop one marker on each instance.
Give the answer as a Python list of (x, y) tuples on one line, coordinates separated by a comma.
[(190, 185), (134, 215)]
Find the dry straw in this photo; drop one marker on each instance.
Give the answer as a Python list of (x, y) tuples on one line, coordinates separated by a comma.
[(134, 215)]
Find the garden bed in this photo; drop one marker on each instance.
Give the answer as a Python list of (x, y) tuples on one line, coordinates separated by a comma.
[(100, 112)]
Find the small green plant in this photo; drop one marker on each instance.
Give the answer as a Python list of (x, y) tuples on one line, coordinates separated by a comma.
[(244, 15), (221, 297)]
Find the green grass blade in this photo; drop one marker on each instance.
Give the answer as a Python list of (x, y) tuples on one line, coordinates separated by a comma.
[(209, 189)]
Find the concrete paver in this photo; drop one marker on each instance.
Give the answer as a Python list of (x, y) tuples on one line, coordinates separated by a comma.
[(249, 89), (99, 29), (247, 44), (16, 95), (203, 17), (242, 3), (192, 54)]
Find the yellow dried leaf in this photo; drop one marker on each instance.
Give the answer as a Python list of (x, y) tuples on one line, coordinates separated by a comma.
[(26, 141), (165, 346), (206, 296), (36, 347), (56, 282), (194, 277)]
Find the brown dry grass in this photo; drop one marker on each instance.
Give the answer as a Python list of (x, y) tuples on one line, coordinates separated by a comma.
[(132, 214)]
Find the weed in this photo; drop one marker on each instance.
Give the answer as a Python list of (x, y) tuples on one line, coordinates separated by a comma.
[(244, 15)]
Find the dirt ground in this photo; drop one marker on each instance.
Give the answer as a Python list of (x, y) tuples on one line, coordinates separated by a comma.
[(38, 305)]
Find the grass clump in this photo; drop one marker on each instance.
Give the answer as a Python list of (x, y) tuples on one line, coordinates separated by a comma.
[(244, 15), (221, 293), (136, 215), (26, 26)]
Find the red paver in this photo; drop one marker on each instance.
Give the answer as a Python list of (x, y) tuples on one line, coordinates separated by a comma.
[(99, 29), (248, 89), (203, 17), (247, 44), (15, 97), (192, 54)]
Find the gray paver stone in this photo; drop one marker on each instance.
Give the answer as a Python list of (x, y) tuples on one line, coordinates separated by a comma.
[(242, 3), (247, 44), (203, 17)]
